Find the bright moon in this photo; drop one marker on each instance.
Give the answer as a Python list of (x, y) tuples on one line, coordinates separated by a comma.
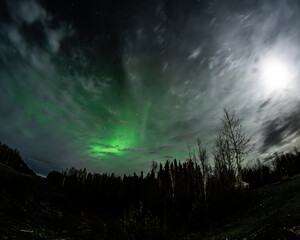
[(275, 73)]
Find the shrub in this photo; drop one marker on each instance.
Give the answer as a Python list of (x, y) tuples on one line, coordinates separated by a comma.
[(139, 223)]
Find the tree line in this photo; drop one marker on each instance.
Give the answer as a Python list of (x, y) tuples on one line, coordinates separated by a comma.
[(279, 168), (175, 196), (186, 195)]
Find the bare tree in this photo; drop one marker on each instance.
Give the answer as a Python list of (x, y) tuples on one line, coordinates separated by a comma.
[(222, 154), (191, 151), (203, 158), (260, 167), (232, 146)]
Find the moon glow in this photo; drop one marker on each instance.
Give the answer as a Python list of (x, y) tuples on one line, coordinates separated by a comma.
[(276, 73)]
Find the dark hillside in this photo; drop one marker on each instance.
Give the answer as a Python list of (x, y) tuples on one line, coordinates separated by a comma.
[(12, 158), (31, 208)]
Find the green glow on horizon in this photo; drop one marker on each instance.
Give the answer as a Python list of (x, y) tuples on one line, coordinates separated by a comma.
[(116, 139), (111, 131), (116, 143)]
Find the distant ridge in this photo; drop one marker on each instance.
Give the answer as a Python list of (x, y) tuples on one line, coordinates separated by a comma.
[(12, 158)]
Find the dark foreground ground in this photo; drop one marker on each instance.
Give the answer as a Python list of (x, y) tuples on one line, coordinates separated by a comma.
[(274, 215), (31, 208)]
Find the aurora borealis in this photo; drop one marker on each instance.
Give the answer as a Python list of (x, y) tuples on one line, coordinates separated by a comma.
[(112, 85)]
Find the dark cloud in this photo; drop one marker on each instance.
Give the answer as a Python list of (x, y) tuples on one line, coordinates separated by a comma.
[(152, 152), (264, 104), (104, 145), (274, 133), (131, 150), (168, 146), (278, 130), (170, 157)]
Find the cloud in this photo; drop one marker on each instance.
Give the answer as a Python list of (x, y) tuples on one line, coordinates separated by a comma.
[(278, 130), (55, 36), (195, 53), (24, 41), (263, 105), (169, 157), (26, 11), (34, 111), (152, 152), (224, 71), (131, 150)]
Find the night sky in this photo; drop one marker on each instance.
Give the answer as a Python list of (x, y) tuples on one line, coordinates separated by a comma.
[(112, 85)]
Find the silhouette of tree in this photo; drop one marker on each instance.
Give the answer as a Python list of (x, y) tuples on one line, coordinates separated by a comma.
[(204, 166), (232, 146), (12, 158)]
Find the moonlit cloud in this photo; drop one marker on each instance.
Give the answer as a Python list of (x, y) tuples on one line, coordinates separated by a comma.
[(26, 11)]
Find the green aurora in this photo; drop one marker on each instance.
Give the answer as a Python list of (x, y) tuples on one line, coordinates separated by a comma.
[(116, 131)]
